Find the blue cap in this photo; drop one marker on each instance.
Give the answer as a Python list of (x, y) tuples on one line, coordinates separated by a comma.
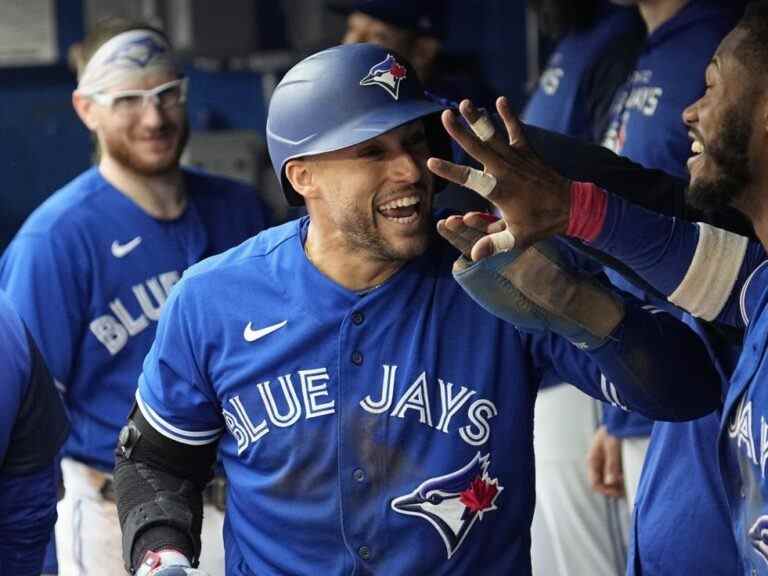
[(421, 16), (341, 97)]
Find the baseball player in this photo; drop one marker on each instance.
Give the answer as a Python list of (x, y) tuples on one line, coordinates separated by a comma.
[(33, 426), (646, 127), (369, 415), (713, 274), (92, 267)]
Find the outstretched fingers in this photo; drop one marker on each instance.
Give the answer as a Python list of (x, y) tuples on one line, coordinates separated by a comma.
[(512, 124), (470, 143)]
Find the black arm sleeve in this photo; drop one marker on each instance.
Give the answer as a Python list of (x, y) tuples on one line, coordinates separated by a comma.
[(41, 426), (159, 484), (652, 189)]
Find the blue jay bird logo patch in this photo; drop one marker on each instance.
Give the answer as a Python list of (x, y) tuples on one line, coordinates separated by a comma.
[(453, 503), (137, 54), (388, 74), (758, 536)]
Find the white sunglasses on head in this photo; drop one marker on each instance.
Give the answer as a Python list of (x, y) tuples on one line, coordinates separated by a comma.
[(166, 96)]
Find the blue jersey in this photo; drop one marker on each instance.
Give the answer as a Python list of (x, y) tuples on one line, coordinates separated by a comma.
[(32, 428), (391, 430), (584, 71), (647, 121), (89, 272), (680, 466), (744, 431)]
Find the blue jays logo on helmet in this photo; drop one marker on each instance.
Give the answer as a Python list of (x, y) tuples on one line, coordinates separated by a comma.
[(758, 536), (137, 54), (388, 74), (453, 503)]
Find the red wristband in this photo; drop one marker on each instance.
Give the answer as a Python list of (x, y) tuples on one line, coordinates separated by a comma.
[(588, 209)]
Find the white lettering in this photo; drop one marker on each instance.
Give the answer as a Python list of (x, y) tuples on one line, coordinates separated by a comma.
[(109, 332), (133, 325), (416, 398), (451, 404), (479, 413), (289, 394), (254, 432), (387, 392), (168, 279), (311, 389), (236, 430)]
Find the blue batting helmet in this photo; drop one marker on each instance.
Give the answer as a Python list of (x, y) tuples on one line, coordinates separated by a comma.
[(344, 96)]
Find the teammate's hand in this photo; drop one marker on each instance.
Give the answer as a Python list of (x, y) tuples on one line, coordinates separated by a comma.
[(167, 563), (476, 235), (604, 468), (533, 199)]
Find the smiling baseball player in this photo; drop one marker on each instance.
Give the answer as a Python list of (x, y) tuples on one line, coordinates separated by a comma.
[(370, 416), (92, 267)]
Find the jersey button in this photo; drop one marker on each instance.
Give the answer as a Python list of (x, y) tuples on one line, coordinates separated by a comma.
[(364, 552), (357, 318), (357, 358), (358, 475)]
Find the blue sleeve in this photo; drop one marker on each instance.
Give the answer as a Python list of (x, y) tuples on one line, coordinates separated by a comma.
[(175, 395), (45, 286), (27, 517), (27, 502), (699, 268), (652, 364), (16, 366), (623, 424)]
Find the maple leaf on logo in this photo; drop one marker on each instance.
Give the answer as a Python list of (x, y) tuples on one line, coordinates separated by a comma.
[(479, 496), (398, 70)]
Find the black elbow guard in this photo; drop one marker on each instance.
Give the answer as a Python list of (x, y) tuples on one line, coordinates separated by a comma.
[(158, 483)]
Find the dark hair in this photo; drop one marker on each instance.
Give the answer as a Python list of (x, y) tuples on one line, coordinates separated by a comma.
[(752, 51), (560, 17), (102, 32)]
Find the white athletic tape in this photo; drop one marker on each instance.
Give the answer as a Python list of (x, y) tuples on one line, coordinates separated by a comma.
[(710, 277), (125, 58), (481, 182), (502, 241), (483, 128)]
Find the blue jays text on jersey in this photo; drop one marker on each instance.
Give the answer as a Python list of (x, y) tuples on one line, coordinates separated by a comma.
[(647, 125), (89, 272), (583, 73), (392, 430)]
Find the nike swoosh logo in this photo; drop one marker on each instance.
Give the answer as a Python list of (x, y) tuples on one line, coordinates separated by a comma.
[(252, 335), (120, 250)]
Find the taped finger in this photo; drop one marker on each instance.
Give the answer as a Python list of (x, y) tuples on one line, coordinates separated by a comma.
[(481, 182), (483, 128), (502, 241)]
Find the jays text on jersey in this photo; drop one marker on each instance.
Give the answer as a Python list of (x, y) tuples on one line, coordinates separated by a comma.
[(33, 427), (647, 125), (90, 270), (576, 89), (387, 431)]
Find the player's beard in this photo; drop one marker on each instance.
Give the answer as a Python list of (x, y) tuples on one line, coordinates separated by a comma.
[(729, 152), (124, 154), (363, 234)]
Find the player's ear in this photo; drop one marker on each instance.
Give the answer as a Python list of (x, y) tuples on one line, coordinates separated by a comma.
[(85, 110), (300, 173)]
